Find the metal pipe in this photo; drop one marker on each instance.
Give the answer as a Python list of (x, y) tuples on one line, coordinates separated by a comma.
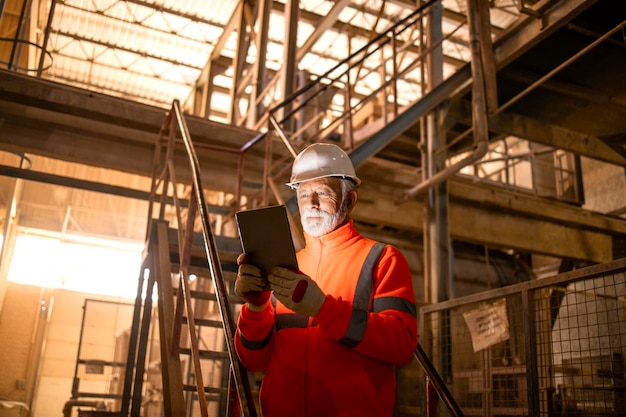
[(11, 404), (267, 167), (282, 136), (437, 382), (23, 37), (45, 310), (67, 408), (185, 257), (394, 76), (18, 30)]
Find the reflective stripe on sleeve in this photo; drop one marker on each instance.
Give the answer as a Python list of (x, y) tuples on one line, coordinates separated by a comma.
[(255, 344), (394, 303)]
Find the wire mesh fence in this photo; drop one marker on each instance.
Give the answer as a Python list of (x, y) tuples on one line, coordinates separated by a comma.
[(548, 347)]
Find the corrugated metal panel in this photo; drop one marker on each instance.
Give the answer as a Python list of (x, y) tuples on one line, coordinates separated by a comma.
[(153, 51), (148, 51)]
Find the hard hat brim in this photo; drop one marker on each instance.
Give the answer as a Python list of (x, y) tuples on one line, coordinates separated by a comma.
[(294, 184)]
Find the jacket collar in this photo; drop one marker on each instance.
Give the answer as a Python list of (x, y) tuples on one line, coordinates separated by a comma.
[(342, 235)]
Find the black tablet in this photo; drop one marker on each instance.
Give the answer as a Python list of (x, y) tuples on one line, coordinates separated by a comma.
[(266, 237)]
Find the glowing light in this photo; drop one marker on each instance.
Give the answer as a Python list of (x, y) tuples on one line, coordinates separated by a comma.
[(98, 267)]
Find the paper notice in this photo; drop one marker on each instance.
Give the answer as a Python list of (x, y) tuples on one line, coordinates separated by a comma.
[(488, 324)]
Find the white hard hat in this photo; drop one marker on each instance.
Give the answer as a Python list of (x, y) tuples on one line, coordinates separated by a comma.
[(322, 160)]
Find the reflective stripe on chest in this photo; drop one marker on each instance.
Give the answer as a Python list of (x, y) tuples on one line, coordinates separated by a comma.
[(360, 307)]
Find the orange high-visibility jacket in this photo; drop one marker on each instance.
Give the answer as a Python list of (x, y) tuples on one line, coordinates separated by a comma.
[(340, 362)]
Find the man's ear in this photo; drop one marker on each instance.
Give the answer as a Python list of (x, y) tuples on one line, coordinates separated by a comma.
[(352, 197)]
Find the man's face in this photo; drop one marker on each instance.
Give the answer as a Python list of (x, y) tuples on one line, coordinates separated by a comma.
[(321, 205)]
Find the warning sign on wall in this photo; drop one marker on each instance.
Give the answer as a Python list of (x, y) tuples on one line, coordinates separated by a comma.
[(488, 324)]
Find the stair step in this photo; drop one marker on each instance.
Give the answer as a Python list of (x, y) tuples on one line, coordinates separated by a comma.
[(228, 249), (208, 390), (205, 322), (205, 354), (209, 296)]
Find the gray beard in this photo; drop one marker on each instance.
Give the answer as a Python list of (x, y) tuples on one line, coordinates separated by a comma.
[(328, 224)]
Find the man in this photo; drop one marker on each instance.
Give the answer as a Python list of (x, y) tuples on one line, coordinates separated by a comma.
[(330, 338)]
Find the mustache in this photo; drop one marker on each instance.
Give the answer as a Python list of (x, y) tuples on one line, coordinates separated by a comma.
[(315, 213)]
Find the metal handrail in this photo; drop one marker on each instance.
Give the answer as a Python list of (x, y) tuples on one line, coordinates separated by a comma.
[(379, 41), (239, 373), (433, 377)]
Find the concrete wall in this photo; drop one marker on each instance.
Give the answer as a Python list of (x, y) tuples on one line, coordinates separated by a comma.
[(605, 186), (19, 336)]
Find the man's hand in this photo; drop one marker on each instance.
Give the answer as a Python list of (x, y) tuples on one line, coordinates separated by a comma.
[(296, 291), (251, 285)]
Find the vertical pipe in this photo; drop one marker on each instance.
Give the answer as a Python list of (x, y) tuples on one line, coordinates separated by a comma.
[(436, 203), (18, 30), (394, 66), (348, 127), (289, 67), (46, 310), (383, 79), (240, 169), (238, 64), (256, 107), (22, 35), (140, 363), (479, 105), (132, 346), (423, 156), (530, 333)]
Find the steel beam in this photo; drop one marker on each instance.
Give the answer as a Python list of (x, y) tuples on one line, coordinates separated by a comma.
[(498, 218), (548, 134)]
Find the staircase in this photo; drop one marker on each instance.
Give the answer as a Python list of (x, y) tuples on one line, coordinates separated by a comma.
[(189, 346), (186, 353)]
